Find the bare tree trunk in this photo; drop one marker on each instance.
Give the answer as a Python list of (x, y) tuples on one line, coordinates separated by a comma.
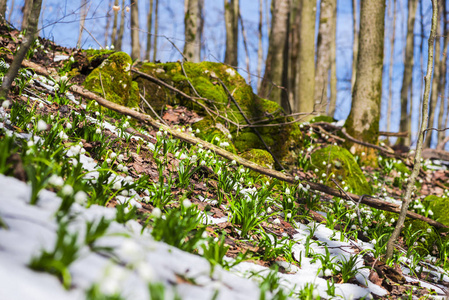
[(135, 42), (149, 30), (245, 45), (363, 120), (192, 45), (355, 44), (434, 92), (306, 54), (333, 68), (419, 146), (260, 47), (323, 55), (26, 13), (108, 22), (3, 8), (231, 13), (392, 14), (30, 36), (443, 74), (156, 28), (408, 74), (274, 66), (118, 45), (114, 24), (293, 50), (83, 13)]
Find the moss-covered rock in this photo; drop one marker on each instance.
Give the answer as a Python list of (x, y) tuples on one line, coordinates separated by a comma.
[(340, 162), (113, 80), (423, 233), (322, 118), (260, 157), (440, 208), (207, 79)]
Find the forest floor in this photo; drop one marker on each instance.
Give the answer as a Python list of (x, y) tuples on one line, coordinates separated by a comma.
[(96, 205)]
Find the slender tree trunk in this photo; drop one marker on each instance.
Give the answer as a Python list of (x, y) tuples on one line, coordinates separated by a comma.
[(192, 45), (30, 36), (149, 30), (419, 146), (118, 45), (114, 24), (355, 44), (392, 14), (293, 50), (260, 47), (443, 73), (108, 22), (323, 55), (231, 12), (135, 42), (434, 92), (26, 13), (333, 68), (306, 54), (363, 120), (83, 13), (421, 52), (407, 79), (3, 8), (156, 29), (274, 65)]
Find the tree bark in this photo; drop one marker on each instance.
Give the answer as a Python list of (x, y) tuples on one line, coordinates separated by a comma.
[(108, 22), (443, 74), (274, 64), (323, 55), (135, 42), (83, 13), (363, 120), (149, 30), (231, 13), (434, 92), (406, 90), (260, 47), (118, 45), (419, 145), (3, 9), (156, 29), (30, 36), (306, 71), (114, 25), (192, 45), (293, 50), (392, 16), (26, 13), (333, 68), (355, 44)]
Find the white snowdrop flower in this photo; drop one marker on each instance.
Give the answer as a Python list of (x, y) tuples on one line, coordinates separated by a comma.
[(363, 153), (124, 193), (219, 172), (287, 191), (108, 160), (217, 138), (112, 155), (324, 163), (233, 162), (353, 227), (289, 215), (186, 203), (56, 180), (120, 158), (80, 197), (128, 179), (156, 212), (41, 125), (230, 136), (63, 136), (382, 217), (321, 181), (98, 131), (125, 169), (131, 250), (120, 167), (301, 125), (74, 162), (343, 182), (30, 143), (6, 104), (429, 230), (379, 184), (145, 271), (333, 175), (63, 78), (197, 131), (392, 220), (117, 185), (423, 239), (72, 59), (67, 190), (20, 36), (365, 233), (159, 133), (308, 187), (430, 213), (346, 188), (296, 177), (182, 156), (224, 144), (203, 163), (315, 294), (230, 71), (374, 242), (323, 175), (269, 210), (328, 272), (165, 132), (276, 221), (415, 244)]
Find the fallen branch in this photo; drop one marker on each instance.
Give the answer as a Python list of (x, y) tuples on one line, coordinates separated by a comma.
[(146, 119), (398, 134)]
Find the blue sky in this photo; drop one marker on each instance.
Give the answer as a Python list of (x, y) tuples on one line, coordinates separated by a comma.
[(59, 21)]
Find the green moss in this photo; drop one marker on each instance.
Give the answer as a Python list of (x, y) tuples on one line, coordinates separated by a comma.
[(440, 208), (260, 157), (322, 119), (343, 165), (113, 80), (93, 55), (414, 227)]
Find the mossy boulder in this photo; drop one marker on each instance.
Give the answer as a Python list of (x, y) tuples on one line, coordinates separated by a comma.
[(260, 157), (216, 82), (112, 79), (440, 208), (337, 161)]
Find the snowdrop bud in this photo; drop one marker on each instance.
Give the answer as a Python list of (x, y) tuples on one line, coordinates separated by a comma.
[(120, 158), (276, 221), (287, 191), (125, 169), (117, 185), (98, 131), (296, 177), (6, 104), (67, 190), (124, 193), (156, 212), (289, 215), (81, 197), (186, 203), (269, 210), (68, 126), (327, 272), (41, 125)]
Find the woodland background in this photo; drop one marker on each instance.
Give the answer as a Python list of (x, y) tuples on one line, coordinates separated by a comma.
[(162, 28)]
